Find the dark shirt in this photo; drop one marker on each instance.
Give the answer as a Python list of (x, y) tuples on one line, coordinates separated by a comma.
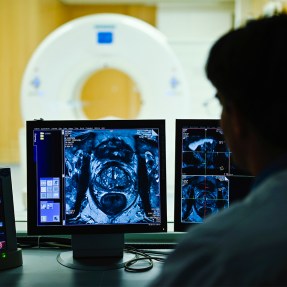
[(245, 245)]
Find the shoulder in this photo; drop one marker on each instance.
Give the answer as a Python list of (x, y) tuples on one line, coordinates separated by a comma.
[(226, 248)]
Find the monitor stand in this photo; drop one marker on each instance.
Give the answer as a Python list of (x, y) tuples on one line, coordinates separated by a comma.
[(11, 259), (95, 252)]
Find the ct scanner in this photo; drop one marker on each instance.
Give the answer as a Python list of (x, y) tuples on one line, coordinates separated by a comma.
[(53, 79)]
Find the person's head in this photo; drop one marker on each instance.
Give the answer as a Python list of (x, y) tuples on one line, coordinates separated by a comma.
[(248, 68)]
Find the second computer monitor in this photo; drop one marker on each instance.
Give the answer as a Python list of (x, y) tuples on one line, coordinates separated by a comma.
[(206, 179)]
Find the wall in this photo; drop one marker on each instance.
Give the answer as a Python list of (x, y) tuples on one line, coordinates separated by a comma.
[(23, 25), (191, 29)]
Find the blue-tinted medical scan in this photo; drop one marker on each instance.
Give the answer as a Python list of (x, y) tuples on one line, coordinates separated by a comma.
[(202, 196), (204, 152), (205, 164), (207, 179), (112, 176)]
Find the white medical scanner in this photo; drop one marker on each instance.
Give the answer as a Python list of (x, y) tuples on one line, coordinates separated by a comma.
[(57, 70), (56, 73)]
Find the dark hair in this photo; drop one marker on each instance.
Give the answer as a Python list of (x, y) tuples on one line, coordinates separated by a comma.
[(248, 66)]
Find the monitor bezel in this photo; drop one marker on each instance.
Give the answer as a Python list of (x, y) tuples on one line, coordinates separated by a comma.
[(180, 226), (34, 229), (6, 194)]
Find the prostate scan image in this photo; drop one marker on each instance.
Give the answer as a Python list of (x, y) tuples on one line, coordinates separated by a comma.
[(202, 196), (111, 178), (205, 188), (205, 154)]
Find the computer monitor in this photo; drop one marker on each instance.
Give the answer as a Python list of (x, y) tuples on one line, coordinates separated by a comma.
[(206, 179), (96, 180), (10, 255)]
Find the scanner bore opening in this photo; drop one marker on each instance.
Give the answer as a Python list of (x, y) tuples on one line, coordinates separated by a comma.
[(110, 93)]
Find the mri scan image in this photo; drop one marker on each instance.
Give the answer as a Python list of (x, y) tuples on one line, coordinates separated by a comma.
[(202, 196), (111, 176), (204, 152), (205, 162), (206, 178)]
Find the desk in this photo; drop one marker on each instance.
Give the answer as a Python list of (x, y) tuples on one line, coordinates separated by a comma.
[(40, 268)]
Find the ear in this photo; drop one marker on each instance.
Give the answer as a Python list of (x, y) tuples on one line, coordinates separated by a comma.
[(237, 135), (238, 123)]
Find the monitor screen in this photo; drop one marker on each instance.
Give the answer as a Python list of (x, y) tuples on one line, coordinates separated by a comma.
[(206, 179), (91, 177)]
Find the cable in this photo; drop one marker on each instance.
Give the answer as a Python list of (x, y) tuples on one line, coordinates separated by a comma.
[(140, 256)]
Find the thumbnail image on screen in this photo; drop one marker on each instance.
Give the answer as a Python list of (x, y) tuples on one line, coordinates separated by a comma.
[(99, 175), (206, 180)]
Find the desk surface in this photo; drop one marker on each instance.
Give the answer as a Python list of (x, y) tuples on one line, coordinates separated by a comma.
[(41, 268)]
